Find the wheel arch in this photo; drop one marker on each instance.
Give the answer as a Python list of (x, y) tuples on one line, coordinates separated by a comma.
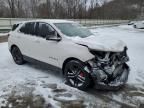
[(73, 58), (12, 46), (67, 60)]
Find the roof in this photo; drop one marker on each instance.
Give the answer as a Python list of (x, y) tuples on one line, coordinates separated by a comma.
[(56, 21), (46, 21), (51, 21)]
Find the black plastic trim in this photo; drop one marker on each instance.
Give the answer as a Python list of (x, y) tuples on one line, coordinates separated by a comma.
[(42, 64)]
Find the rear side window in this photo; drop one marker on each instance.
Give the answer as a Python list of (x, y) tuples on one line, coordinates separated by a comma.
[(15, 26), (28, 28)]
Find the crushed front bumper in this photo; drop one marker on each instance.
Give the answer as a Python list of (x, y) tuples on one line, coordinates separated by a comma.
[(118, 82)]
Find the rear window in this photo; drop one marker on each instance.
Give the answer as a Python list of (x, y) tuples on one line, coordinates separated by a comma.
[(15, 26)]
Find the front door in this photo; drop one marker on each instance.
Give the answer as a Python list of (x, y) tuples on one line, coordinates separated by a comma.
[(46, 50)]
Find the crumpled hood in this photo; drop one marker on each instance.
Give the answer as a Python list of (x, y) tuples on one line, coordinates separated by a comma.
[(101, 43)]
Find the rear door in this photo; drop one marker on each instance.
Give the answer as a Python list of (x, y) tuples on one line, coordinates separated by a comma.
[(27, 39)]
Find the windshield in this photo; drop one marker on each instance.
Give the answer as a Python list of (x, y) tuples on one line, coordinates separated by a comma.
[(72, 30)]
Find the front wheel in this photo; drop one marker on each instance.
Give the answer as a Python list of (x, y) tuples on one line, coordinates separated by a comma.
[(76, 76), (17, 56)]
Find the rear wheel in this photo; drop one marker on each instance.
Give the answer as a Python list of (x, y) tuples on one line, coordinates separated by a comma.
[(17, 56), (76, 76)]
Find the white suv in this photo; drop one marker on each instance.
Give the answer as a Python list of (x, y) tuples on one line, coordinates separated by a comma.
[(85, 59)]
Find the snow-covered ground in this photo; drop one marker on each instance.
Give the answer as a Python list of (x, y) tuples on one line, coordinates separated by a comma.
[(26, 80), (35, 81)]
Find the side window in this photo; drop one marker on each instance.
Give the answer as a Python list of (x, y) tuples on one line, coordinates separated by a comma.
[(44, 29), (51, 29), (23, 29), (28, 28)]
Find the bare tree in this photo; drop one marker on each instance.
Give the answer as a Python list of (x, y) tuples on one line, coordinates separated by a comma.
[(19, 10), (80, 9), (34, 7), (11, 4), (49, 8), (1, 8)]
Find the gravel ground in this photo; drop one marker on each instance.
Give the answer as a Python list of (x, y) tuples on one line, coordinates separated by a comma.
[(3, 39)]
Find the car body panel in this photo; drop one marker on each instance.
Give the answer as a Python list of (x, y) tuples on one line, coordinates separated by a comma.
[(139, 24), (101, 44)]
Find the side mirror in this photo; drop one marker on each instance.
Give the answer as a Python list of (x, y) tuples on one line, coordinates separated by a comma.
[(53, 37), (52, 33)]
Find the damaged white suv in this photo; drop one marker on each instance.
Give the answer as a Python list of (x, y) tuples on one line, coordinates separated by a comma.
[(85, 59)]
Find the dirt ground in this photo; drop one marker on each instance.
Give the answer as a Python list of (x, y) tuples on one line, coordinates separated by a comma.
[(3, 39)]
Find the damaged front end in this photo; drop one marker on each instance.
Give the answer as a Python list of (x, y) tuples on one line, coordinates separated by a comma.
[(109, 69)]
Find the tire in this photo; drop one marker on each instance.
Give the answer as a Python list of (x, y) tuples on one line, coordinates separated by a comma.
[(17, 55), (76, 76)]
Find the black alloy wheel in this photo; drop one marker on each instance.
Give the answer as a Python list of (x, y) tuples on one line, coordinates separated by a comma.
[(17, 56), (76, 76)]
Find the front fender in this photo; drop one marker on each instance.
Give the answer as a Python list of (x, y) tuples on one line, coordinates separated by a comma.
[(80, 52)]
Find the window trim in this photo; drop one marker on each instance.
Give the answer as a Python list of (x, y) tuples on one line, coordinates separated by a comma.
[(36, 28)]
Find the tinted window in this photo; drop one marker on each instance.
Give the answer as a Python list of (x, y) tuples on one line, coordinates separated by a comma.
[(44, 29), (28, 28)]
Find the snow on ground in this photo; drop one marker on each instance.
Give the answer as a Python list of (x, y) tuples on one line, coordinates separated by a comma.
[(38, 82), (13, 75), (20, 81)]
